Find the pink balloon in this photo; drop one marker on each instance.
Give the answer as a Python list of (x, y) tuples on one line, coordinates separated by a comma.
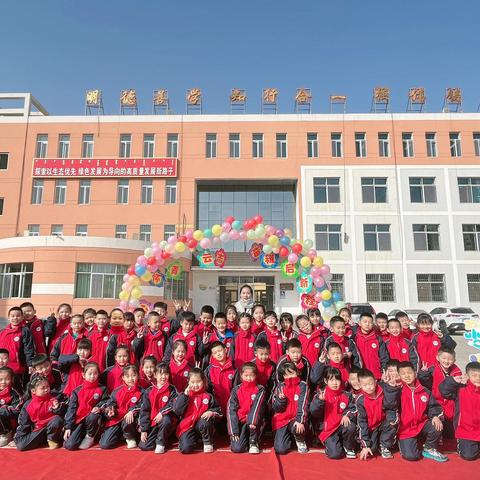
[(242, 235), (224, 237), (270, 230), (205, 243), (293, 258), (216, 241), (318, 297), (123, 305), (152, 268), (312, 253), (324, 269), (319, 282), (154, 245), (142, 260), (315, 272), (156, 251), (234, 235), (160, 261), (189, 233), (171, 240), (226, 227), (126, 277)]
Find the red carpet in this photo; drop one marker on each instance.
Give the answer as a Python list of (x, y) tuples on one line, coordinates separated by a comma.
[(121, 464)]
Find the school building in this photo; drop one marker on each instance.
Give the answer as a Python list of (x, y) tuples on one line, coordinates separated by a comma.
[(391, 201)]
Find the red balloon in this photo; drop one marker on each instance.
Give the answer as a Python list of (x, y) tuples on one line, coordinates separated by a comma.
[(165, 255), (182, 239), (131, 270), (191, 243), (151, 261), (297, 248), (230, 219), (246, 224), (258, 219), (283, 252)]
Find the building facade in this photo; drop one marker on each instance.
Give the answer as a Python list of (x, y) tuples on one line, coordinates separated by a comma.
[(391, 201)]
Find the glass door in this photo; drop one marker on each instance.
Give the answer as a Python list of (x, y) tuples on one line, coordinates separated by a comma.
[(263, 290)]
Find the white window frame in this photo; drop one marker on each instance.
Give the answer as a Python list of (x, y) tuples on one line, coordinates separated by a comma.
[(380, 287), (429, 281), (123, 191), (84, 190), (431, 143), (360, 144), (423, 188), (331, 186), (56, 229), (60, 194), (312, 145), (383, 237), (423, 236), (121, 231), (145, 233), (63, 145), (336, 139), (172, 145), (384, 144), (407, 145), (455, 144), (471, 230), (171, 191), (147, 191), (211, 145), (378, 183), (7, 156), (16, 283), (234, 145), (476, 143), (125, 148), (99, 281), (41, 149), (257, 145), (81, 230), (328, 233), (148, 145), (88, 143), (168, 231), (38, 185), (33, 230), (281, 145)]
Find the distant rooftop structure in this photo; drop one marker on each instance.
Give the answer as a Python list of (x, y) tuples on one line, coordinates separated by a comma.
[(20, 105)]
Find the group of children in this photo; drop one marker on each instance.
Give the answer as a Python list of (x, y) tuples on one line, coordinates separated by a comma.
[(359, 389)]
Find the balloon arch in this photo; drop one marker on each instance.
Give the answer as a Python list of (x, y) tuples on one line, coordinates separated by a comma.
[(273, 247)]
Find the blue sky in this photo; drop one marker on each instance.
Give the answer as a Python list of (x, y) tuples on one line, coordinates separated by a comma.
[(57, 49)]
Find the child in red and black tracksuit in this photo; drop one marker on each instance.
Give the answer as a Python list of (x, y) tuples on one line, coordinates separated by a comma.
[(420, 417), (150, 340), (444, 367), (381, 324), (257, 318), (197, 409), (294, 355), (377, 415), (371, 348), (245, 412), (56, 326), (331, 357), (179, 367), (122, 410), (156, 420), (10, 403), (100, 338), (465, 391), (289, 405), (35, 325), (316, 320), (168, 327), (243, 342), (333, 410), (147, 372), (71, 366), (265, 375), (195, 344), (84, 414), (220, 375), (124, 336), (42, 365), (349, 349), (222, 333), (405, 322), (272, 335), (399, 347), (112, 377), (40, 421), (312, 340), (17, 339), (68, 342), (286, 327)]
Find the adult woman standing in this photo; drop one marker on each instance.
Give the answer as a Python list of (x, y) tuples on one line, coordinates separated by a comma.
[(245, 304)]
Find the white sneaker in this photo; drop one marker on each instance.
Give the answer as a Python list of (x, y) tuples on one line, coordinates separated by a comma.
[(131, 443), (160, 449), (301, 447), (254, 449), (207, 448), (350, 453), (5, 439), (385, 452), (87, 442)]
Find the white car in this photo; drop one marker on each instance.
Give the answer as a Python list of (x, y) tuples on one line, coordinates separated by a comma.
[(454, 317), (411, 312)]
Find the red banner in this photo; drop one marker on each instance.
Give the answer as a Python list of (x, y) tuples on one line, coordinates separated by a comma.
[(116, 167)]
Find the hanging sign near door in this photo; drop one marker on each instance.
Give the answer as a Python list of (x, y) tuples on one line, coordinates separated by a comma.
[(269, 260), (209, 259)]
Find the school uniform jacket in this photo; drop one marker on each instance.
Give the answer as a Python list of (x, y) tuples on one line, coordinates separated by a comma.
[(100, 342), (303, 367), (36, 329), (71, 370), (179, 374), (372, 351), (112, 377), (347, 345), (81, 402), (312, 345), (195, 346), (265, 373), (427, 346), (417, 407), (152, 343), (124, 399), (399, 348), (330, 411), (19, 343), (245, 406), (191, 407), (66, 344), (10, 403), (36, 413), (467, 408), (227, 340), (54, 331), (274, 339), (243, 347), (220, 379), (318, 370), (293, 407), (55, 381), (156, 400), (121, 338)]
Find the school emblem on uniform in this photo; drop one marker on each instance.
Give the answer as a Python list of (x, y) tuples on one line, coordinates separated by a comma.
[(435, 343), (134, 399), (105, 338), (165, 398), (279, 341), (254, 396), (96, 396), (346, 349), (230, 376), (16, 339), (2, 401), (228, 345), (205, 401), (404, 350), (165, 329), (185, 373), (343, 405), (423, 398), (159, 343), (317, 345), (374, 345), (296, 397), (250, 344), (192, 343), (38, 329)]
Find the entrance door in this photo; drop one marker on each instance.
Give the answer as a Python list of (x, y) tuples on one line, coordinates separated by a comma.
[(263, 290)]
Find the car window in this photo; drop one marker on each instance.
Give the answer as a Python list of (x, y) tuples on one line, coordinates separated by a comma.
[(358, 309), (435, 311), (462, 310)]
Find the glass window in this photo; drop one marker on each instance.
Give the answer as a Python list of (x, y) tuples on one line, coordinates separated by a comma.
[(3, 161), (99, 280), (380, 287), (360, 144), (81, 230), (455, 144), (42, 146), (476, 144), (423, 190), (234, 145), (57, 229), (147, 190), (211, 145), (84, 192), (2, 202), (145, 233), (326, 190), (172, 145), (33, 230), (125, 145), (168, 231), (376, 237), (63, 145), (471, 237), (473, 285), (148, 145), (469, 189), (121, 231), (87, 145), (431, 287), (122, 191), (257, 145), (281, 145), (171, 191), (174, 289), (337, 284), (312, 145), (407, 144), (328, 236), (431, 140), (336, 139), (16, 280), (37, 192), (60, 192), (383, 144), (426, 237), (374, 189)]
